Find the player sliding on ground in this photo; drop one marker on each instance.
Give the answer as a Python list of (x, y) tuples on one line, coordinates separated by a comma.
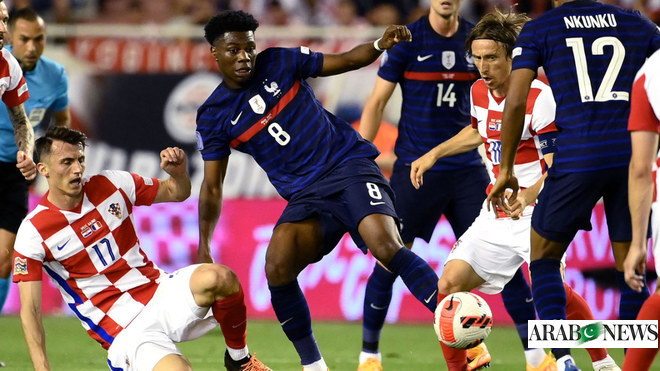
[(495, 246)]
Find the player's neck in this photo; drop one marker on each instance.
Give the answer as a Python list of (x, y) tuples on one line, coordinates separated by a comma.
[(444, 26), (64, 201)]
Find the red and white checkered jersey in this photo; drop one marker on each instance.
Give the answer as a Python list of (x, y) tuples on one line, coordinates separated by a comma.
[(539, 118), (645, 103), (92, 252), (13, 88)]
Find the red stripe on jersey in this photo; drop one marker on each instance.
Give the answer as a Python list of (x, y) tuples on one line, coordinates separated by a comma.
[(144, 193), (531, 99), (143, 293), (642, 116), (148, 270), (439, 76), (110, 326), (125, 237), (98, 189), (480, 94), (48, 222), (475, 123), (255, 128), (96, 337), (79, 265), (105, 299)]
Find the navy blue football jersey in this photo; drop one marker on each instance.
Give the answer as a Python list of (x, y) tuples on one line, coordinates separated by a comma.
[(279, 122), (435, 74), (590, 53)]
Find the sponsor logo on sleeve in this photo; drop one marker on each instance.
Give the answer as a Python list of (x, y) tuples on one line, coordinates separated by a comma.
[(20, 266)]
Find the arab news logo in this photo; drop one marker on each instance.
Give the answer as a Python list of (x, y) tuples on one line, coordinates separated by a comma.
[(592, 334)]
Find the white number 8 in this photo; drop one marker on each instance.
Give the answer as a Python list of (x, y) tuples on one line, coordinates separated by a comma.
[(281, 137), (374, 191)]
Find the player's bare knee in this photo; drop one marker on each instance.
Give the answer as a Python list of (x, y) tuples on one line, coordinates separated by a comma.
[(447, 285), (216, 278), (173, 362)]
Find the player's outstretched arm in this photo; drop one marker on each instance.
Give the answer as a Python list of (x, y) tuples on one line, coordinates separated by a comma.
[(364, 54), (210, 205), (177, 186), (513, 119), (372, 114), (466, 140), (640, 197), (33, 329), (24, 137)]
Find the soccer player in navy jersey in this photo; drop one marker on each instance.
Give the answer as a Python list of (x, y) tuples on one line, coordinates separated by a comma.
[(590, 53), (435, 74), (316, 161)]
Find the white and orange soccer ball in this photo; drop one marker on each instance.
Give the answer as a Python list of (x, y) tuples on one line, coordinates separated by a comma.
[(463, 320)]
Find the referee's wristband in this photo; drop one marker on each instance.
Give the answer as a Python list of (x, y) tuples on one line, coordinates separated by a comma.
[(376, 45)]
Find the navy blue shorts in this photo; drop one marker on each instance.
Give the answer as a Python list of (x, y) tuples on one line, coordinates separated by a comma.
[(341, 199), (458, 194), (13, 196), (567, 200)]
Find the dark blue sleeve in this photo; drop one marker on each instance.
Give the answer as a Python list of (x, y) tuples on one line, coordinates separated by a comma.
[(527, 53), (212, 141), (547, 142), (393, 63)]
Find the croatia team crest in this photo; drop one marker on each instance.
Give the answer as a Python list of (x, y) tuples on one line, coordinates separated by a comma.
[(258, 105), (115, 210), (448, 59)]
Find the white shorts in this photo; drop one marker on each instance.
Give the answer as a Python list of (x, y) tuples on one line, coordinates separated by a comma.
[(655, 227), (171, 316), (495, 248)]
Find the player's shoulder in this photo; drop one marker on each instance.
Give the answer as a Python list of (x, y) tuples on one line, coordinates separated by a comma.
[(50, 65), (479, 87), (651, 66)]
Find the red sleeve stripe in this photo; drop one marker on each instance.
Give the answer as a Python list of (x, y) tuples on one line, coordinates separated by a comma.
[(252, 131)]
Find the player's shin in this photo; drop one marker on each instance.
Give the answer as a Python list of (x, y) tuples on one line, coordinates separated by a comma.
[(418, 276)]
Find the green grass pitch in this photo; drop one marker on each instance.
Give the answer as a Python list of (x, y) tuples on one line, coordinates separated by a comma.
[(405, 347)]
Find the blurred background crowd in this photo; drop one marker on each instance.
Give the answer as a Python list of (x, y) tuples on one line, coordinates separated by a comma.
[(281, 12)]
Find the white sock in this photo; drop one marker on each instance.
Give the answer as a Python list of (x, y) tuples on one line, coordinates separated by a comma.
[(238, 354), (316, 366), (561, 362), (605, 361), (366, 355), (535, 356)]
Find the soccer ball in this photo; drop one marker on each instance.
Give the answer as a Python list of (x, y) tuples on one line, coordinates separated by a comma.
[(462, 320)]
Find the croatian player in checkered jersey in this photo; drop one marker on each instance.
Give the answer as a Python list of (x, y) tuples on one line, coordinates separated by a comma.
[(590, 53), (490, 253), (643, 191), (83, 235), (316, 161)]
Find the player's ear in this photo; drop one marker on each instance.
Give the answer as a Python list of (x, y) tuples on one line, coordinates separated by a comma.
[(214, 52), (43, 169)]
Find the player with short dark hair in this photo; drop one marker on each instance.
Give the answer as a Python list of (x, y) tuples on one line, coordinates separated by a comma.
[(316, 161), (83, 235), (590, 53)]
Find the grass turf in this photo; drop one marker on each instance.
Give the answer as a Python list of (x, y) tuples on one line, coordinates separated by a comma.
[(405, 347)]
